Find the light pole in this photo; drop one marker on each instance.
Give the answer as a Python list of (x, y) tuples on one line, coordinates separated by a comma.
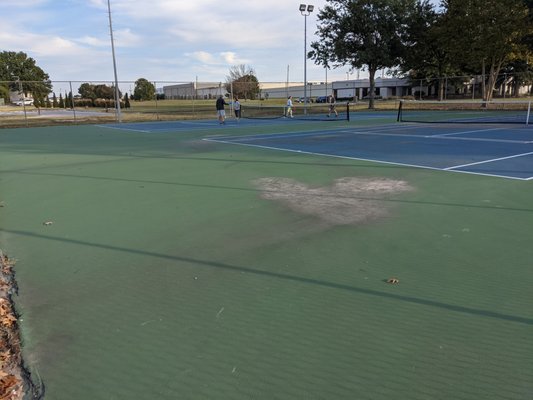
[(305, 10), (117, 91)]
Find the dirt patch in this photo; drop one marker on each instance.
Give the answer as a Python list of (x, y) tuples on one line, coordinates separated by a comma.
[(348, 201)]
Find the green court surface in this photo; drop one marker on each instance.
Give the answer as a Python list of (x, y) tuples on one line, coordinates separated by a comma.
[(176, 268)]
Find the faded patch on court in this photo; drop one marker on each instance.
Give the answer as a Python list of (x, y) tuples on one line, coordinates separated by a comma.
[(347, 201)]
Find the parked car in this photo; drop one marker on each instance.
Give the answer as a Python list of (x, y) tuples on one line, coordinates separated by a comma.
[(322, 99), (302, 100), (25, 102)]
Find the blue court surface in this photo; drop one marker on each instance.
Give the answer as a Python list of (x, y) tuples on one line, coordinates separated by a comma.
[(493, 150)]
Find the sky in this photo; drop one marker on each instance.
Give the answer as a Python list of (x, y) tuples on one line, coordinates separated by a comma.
[(165, 40)]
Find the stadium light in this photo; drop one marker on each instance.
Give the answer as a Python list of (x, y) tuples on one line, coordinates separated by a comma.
[(305, 10)]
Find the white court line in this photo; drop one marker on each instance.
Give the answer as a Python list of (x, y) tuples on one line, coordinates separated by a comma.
[(364, 159), (441, 137), (123, 129), (164, 128), (488, 161), (286, 135), (474, 131), (290, 135)]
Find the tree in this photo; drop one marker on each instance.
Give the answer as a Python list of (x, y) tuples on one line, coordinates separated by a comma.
[(484, 35), (362, 34), (86, 91), (55, 104), (429, 56), (104, 92), (4, 91), (242, 82), (144, 90), (70, 100), (127, 101), (15, 66), (61, 102)]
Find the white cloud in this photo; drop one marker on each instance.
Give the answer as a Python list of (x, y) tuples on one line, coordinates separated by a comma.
[(126, 38), (224, 58), (93, 41), (167, 40), (202, 56)]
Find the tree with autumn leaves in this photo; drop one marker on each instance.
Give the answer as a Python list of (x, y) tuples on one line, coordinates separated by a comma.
[(416, 38)]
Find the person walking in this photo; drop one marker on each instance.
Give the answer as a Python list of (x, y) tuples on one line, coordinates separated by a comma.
[(220, 109), (289, 107), (332, 108), (237, 108)]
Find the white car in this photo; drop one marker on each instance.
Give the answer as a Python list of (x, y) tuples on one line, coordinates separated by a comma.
[(25, 102)]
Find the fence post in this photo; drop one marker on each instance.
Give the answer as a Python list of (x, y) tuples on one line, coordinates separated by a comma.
[(155, 94), (72, 105)]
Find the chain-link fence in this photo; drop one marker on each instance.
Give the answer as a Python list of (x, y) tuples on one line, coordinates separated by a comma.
[(30, 103)]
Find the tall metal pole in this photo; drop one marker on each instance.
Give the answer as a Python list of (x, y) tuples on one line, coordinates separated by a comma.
[(117, 92), (305, 63), (305, 10)]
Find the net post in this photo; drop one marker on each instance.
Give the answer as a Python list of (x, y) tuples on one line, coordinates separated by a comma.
[(348, 111), (528, 112), (399, 117)]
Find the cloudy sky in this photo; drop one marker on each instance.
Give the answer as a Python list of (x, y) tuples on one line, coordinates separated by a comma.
[(163, 40)]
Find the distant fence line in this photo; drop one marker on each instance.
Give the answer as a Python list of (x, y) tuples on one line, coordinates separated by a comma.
[(516, 84), (82, 110)]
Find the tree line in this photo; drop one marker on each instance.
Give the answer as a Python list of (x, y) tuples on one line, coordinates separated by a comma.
[(417, 39), (20, 74)]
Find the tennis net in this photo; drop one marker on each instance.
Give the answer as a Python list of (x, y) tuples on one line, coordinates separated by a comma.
[(488, 112), (310, 112)]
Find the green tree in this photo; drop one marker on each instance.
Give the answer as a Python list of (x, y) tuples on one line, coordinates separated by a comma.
[(242, 82), (15, 65), (55, 104), (127, 101), (70, 100), (86, 91), (4, 91), (61, 101), (366, 34), (484, 35), (104, 92), (429, 56), (144, 90)]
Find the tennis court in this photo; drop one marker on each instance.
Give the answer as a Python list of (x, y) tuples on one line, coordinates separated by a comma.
[(496, 151), (252, 260)]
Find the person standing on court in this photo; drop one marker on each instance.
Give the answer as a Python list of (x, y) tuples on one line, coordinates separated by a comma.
[(237, 108), (289, 107), (220, 109), (332, 108)]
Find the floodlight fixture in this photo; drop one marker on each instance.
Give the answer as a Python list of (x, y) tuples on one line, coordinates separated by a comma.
[(302, 7)]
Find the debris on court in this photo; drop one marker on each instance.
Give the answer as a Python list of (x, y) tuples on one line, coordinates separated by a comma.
[(14, 379), (11, 383), (48, 223), (393, 281)]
